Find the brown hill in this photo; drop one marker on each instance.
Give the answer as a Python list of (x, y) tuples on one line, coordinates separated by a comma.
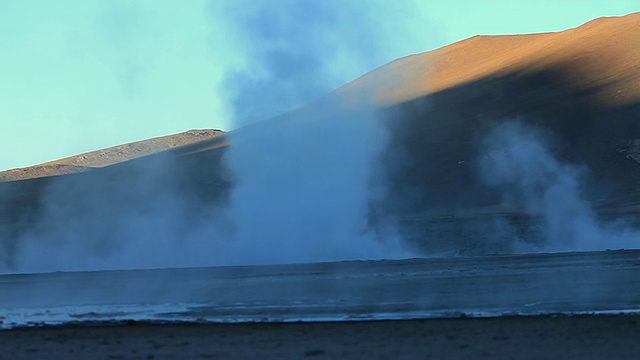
[(109, 156), (602, 52)]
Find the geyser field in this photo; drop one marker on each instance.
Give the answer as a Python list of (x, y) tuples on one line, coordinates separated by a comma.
[(445, 185)]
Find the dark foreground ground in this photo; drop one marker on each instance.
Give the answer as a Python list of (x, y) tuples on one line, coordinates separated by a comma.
[(542, 337)]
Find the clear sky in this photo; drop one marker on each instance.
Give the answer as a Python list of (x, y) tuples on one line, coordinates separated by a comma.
[(79, 75)]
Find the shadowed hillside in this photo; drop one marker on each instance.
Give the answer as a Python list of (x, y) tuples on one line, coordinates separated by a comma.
[(576, 92), (580, 87)]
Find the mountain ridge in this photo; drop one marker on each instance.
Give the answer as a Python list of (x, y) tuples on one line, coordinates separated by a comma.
[(111, 155)]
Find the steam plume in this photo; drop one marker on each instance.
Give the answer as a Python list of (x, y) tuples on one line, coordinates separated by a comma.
[(303, 189), (296, 51), (518, 161)]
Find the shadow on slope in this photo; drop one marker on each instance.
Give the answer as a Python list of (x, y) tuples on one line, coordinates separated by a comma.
[(439, 141)]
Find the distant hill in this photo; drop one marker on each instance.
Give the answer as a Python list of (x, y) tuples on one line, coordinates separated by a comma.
[(110, 156)]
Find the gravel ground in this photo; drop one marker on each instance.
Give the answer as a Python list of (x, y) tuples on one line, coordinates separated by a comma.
[(544, 337)]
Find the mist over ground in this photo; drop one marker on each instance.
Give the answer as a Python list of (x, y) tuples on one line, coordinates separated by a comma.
[(303, 189), (518, 160), (341, 178)]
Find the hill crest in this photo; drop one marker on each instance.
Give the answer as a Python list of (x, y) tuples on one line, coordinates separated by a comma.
[(110, 156)]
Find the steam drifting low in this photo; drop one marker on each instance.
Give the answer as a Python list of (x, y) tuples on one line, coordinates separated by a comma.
[(517, 160), (301, 189)]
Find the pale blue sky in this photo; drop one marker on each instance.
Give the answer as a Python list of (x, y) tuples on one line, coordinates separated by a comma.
[(86, 74)]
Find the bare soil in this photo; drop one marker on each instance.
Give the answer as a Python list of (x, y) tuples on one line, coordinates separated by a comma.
[(577, 337)]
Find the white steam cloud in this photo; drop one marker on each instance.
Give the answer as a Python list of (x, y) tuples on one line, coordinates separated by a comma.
[(518, 161), (137, 220), (304, 187)]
